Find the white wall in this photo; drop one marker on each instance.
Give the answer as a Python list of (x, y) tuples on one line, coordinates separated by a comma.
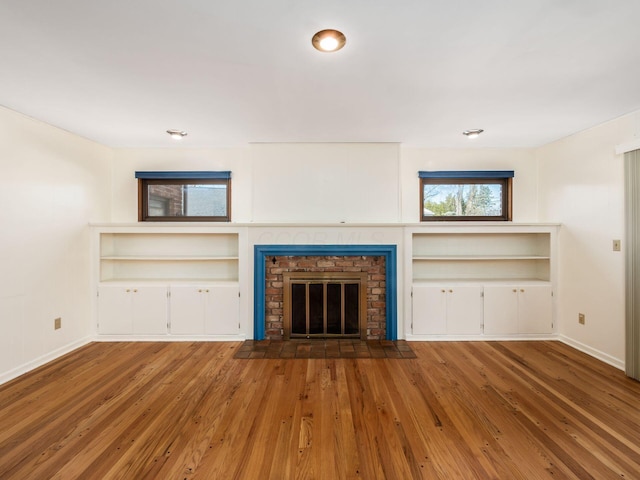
[(331, 182), (325, 183), (128, 161), (52, 185), (582, 186), (521, 161)]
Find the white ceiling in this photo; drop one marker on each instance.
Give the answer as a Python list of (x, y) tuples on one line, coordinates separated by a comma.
[(232, 72)]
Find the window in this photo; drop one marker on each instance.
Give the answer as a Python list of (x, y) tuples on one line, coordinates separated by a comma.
[(470, 195), (184, 196)]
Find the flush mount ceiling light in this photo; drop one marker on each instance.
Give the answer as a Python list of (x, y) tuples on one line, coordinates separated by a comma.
[(328, 40), (473, 133), (177, 134)]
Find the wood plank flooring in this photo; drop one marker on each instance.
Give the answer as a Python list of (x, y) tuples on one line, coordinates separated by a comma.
[(460, 410)]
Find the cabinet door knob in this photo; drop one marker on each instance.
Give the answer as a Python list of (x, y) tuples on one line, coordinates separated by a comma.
[(443, 291), (522, 290), (207, 290), (135, 290), (515, 290), (450, 291), (127, 290)]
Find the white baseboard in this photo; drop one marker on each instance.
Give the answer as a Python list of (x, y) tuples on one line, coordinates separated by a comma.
[(38, 362), (478, 338), (605, 357), (169, 338)]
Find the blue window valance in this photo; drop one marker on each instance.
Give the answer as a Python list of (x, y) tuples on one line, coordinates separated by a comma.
[(468, 174), (183, 175)]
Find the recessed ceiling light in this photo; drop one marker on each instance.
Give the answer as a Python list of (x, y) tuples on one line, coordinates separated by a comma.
[(473, 133), (328, 40), (177, 134)]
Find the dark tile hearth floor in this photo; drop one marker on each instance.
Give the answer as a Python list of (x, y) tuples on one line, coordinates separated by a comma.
[(330, 348)]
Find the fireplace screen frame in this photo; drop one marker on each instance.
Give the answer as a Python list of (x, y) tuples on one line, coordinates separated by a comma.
[(290, 278)]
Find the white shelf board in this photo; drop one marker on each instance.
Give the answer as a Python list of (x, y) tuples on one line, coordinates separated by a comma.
[(464, 258), (165, 258), (482, 281), (169, 281)]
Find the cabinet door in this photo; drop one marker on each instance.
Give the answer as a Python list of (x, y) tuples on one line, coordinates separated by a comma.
[(222, 310), (187, 310), (149, 310), (500, 310), (429, 310), (114, 310), (535, 309), (464, 310), (132, 310)]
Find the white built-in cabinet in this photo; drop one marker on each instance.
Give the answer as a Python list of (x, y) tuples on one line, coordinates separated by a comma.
[(204, 309), (133, 310), (482, 280), (167, 281), (518, 309), (447, 310)]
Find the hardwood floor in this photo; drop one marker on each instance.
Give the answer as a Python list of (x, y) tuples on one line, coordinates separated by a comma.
[(460, 410)]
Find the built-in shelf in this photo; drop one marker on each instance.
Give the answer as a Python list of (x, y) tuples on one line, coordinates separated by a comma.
[(482, 281), (167, 282), (459, 256), (168, 257)]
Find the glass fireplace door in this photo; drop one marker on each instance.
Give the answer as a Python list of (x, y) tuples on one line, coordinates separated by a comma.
[(325, 309)]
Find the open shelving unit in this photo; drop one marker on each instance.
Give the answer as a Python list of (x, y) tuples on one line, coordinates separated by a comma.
[(165, 257), (481, 257)]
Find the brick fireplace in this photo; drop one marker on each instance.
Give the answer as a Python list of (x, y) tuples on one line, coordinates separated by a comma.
[(373, 267), (376, 262)]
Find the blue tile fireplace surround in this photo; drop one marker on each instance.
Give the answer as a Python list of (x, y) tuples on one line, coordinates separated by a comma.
[(262, 252)]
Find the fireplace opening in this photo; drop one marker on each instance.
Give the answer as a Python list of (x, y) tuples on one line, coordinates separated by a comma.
[(324, 305)]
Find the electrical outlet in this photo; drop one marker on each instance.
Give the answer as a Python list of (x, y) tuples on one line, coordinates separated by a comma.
[(57, 323), (616, 245), (581, 318)]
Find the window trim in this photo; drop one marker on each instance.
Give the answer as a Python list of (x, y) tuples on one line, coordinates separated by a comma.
[(499, 177), (181, 178)]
